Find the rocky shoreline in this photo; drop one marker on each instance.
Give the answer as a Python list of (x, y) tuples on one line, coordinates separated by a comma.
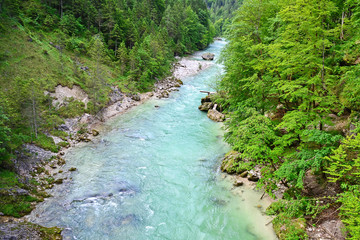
[(42, 166), (245, 176)]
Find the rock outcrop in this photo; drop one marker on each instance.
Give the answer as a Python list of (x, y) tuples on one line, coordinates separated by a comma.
[(215, 115), (13, 229), (62, 94), (208, 56), (212, 109)]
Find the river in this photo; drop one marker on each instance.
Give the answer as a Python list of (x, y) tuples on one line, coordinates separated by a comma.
[(153, 173)]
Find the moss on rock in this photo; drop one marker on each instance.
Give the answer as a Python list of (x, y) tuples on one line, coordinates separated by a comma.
[(229, 161)]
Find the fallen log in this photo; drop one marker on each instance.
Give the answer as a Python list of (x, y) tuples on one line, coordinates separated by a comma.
[(208, 93)]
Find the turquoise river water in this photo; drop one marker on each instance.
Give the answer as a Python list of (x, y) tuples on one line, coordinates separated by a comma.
[(153, 173)]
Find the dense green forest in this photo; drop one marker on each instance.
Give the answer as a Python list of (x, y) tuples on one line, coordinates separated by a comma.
[(221, 13), (292, 87), (93, 44)]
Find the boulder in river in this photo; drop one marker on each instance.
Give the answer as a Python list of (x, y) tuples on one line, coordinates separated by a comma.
[(59, 181), (95, 132), (208, 56), (238, 183)]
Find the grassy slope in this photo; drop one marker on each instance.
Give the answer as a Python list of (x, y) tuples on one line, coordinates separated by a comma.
[(21, 58)]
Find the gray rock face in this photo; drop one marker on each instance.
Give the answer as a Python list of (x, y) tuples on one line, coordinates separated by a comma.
[(208, 56), (12, 230), (21, 192), (115, 96), (26, 161)]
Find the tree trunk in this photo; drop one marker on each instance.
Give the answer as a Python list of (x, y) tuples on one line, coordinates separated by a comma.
[(1, 5), (323, 66), (116, 47), (61, 8), (342, 26)]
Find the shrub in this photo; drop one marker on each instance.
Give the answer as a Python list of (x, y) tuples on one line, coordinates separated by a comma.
[(46, 143)]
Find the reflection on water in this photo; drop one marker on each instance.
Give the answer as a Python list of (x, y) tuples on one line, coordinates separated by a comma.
[(153, 174)]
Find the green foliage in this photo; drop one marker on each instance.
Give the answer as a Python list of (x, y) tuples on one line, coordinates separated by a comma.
[(344, 163), (289, 222), (296, 208), (288, 228), (46, 143), (279, 84), (73, 108), (349, 212), (8, 179), (5, 138), (252, 136), (16, 206), (63, 144), (58, 133), (12, 204), (240, 167)]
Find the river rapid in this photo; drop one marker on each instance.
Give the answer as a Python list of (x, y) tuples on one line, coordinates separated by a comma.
[(153, 173)]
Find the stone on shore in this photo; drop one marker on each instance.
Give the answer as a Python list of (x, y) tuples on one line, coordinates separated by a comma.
[(215, 115), (164, 94), (244, 174), (253, 178)]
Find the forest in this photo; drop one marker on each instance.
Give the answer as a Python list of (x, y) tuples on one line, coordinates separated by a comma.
[(94, 44), (291, 88)]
